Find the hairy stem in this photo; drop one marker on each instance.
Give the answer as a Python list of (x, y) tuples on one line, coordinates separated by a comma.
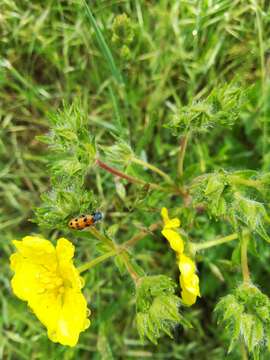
[(98, 235), (215, 242), (119, 173), (181, 156), (96, 261), (153, 168), (243, 350), (129, 178), (117, 250), (244, 257), (130, 268), (140, 235)]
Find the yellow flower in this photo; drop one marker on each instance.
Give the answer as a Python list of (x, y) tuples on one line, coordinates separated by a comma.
[(175, 240), (189, 281), (46, 278), (186, 265)]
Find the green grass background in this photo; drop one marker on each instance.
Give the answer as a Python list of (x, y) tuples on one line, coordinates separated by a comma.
[(54, 51)]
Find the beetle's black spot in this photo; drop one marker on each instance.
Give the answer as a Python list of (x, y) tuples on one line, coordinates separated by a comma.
[(76, 219), (83, 216), (85, 219)]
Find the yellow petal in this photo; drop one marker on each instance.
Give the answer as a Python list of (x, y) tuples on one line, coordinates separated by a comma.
[(165, 215), (47, 307), (188, 298), (186, 265), (72, 319), (175, 240), (70, 275), (37, 250), (190, 283), (64, 249), (172, 223), (169, 223), (25, 282)]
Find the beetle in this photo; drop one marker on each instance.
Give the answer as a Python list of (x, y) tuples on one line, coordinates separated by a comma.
[(83, 221)]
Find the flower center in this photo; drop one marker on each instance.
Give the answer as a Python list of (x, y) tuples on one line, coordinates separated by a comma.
[(51, 282)]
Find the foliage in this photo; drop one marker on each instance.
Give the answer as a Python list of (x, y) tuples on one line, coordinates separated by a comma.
[(157, 307), (123, 34), (228, 193), (246, 315), (102, 105), (221, 108), (61, 204), (72, 150)]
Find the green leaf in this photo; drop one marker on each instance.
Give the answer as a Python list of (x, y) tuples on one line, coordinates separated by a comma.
[(120, 153), (246, 315), (103, 45), (72, 149), (63, 203), (157, 307), (220, 108), (237, 194), (252, 213)]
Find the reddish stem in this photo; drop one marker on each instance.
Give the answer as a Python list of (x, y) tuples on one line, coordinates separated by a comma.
[(116, 172)]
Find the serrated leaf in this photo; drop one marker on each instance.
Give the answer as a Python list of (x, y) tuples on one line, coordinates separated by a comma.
[(157, 307), (245, 314), (247, 323)]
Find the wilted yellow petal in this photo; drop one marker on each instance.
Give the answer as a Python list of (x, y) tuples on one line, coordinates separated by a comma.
[(172, 223), (169, 223), (175, 240), (190, 283), (188, 298), (186, 265)]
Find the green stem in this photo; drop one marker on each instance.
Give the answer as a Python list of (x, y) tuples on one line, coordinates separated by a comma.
[(132, 272), (153, 168), (215, 242), (120, 250), (96, 261), (98, 235), (182, 152), (141, 235), (244, 258), (243, 350)]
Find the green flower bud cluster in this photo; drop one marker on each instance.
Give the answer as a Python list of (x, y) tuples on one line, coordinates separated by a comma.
[(123, 35), (63, 203), (72, 153), (237, 194), (72, 148), (157, 307), (120, 153), (245, 315), (220, 108)]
